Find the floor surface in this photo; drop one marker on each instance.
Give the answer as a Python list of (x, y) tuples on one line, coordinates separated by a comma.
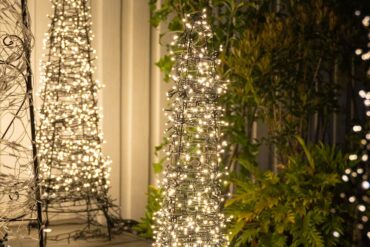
[(30, 240)]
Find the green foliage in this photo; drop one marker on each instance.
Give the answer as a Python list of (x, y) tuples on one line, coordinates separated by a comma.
[(144, 228), (165, 64), (282, 66), (294, 207), (158, 166)]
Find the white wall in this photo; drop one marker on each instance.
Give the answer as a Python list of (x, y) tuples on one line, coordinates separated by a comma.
[(135, 106), (134, 94), (158, 89)]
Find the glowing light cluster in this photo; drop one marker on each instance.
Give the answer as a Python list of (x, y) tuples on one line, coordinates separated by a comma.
[(72, 166), (190, 213), (365, 54), (359, 175)]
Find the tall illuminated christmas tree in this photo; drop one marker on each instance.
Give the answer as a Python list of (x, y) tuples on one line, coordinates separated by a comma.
[(74, 173), (190, 213)]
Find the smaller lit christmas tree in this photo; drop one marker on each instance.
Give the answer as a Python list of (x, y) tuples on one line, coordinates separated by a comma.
[(74, 173), (190, 213)]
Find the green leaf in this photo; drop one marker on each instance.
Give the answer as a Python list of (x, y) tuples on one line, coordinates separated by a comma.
[(307, 152), (175, 24), (165, 64), (159, 15), (158, 167)]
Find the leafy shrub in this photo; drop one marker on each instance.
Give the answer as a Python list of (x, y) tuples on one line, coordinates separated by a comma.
[(144, 228), (295, 207)]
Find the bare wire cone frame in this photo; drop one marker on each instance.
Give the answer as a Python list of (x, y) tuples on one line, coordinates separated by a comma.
[(19, 195)]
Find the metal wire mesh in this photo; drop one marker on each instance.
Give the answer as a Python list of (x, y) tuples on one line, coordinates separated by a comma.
[(17, 200)]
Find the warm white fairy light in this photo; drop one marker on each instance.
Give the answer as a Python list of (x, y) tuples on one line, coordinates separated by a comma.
[(360, 195), (364, 54), (72, 166), (190, 214), (359, 176)]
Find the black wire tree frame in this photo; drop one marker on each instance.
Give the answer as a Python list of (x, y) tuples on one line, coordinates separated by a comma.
[(16, 100)]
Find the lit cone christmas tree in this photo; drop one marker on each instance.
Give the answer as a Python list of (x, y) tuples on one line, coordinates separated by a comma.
[(74, 173), (357, 177), (190, 213)]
